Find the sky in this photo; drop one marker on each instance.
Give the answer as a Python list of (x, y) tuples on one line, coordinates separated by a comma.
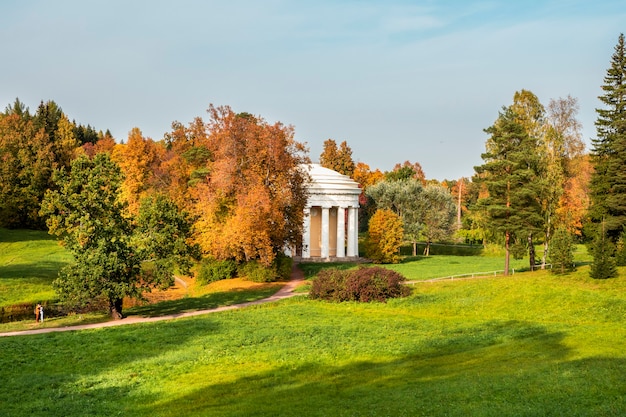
[(397, 80)]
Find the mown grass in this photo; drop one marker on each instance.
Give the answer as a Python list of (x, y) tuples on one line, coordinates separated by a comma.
[(531, 344), (29, 262)]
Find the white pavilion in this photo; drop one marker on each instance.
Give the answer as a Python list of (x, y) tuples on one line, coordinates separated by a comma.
[(331, 220)]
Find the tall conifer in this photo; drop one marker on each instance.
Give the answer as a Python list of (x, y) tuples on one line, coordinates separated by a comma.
[(608, 182)]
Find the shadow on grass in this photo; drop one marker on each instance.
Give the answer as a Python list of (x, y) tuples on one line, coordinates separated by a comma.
[(204, 302), (482, 371), (36, 269)]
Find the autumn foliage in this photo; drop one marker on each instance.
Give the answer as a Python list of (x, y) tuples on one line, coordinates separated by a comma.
[(384, 237)]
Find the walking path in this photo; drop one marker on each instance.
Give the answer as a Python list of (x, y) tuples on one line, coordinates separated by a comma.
[(297, 278)]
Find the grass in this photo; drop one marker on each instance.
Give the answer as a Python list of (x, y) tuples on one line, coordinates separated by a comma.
[(530, 344), (29, 262)]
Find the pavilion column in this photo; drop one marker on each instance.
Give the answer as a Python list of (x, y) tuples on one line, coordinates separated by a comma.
[(325, 232), (341, 232), (306, 234), (353, 232)]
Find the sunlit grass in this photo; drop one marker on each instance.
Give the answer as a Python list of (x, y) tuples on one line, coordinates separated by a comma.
[(29, 262), (531, 344)]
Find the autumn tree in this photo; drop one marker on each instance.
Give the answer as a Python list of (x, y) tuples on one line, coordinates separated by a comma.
[(608, 181), (28, 160), (85, 210), (511, 174), (563, 203), (405, 171), (337, 159), (365, 176), (251, 201), (384, 237), (139, 158)]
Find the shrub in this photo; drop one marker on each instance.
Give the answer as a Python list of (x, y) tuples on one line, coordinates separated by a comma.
[(363, 285), (329, 285), (282, 265), (213, 270), (257, 272)]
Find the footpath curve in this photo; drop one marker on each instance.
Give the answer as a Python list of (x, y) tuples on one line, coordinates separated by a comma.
[(297, 278)]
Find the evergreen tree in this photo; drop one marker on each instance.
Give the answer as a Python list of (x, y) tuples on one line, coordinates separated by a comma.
[(608, 181), (603, 266), (561, 254), (511, 175)]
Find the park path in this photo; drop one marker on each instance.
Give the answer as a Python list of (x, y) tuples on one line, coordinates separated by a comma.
[(297, 278)]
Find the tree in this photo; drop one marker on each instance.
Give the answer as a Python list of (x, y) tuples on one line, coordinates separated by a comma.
[(139, 160), (438, 212), (365, 176), (561, 251), (608, 181), (339, 160), (384, 237), (603, 250), (251, 201), (405, 171), (86, 211), (28, 160), (405, 199), (511, 175), (564, 205)]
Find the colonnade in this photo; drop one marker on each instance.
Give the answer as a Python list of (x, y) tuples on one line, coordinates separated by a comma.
[(330, 231)]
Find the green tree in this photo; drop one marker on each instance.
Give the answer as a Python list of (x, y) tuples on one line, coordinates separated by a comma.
[(438, 213), (608, 181), (511, 174), (561, 253), (162, 236), (86, 211), (384, 237), (603, 251), (405, 199)]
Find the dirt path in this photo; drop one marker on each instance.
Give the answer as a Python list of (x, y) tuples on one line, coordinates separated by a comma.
[(297, 278)]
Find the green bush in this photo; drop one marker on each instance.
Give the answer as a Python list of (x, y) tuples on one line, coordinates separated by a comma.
[(363, 284), (283, 265), (213, 270), (257, 272)]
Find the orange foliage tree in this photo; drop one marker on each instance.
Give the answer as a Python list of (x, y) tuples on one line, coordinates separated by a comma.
[(251, 202), (139, 160)]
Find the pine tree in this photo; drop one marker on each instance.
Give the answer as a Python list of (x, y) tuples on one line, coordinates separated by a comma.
[(561, 253), (608, 182), (603, 266), (512, 176)]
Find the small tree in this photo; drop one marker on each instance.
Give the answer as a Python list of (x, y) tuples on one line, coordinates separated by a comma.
[(561, 254), (385, 237), (603, 266)]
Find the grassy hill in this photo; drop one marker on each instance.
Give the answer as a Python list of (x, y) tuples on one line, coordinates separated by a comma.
[(531, 344), (29, 262)]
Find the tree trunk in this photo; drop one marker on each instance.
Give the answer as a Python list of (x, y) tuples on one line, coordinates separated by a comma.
[(507, 238), (427, 249), (531, 252), (414, 248), (115, 309)]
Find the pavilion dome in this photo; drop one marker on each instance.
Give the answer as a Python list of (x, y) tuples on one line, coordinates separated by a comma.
[(327, 181)]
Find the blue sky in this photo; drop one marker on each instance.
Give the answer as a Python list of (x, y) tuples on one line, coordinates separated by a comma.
[(397, 79)]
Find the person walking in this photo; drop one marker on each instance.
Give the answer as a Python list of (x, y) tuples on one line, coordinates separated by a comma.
[(40, 313)]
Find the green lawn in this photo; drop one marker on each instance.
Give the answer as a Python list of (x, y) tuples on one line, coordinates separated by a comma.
[(29, 262), (532, 344)]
